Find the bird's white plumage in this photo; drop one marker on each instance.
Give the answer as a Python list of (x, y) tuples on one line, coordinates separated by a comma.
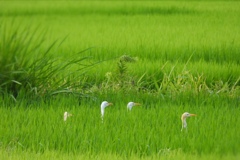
[(131, 104), (184, 117), (66, 115), (104, 104)]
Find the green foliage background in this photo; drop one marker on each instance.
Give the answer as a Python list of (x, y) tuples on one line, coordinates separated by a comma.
[(171, 57)]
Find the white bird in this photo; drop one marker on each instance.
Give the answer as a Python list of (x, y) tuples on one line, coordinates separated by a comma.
[(131, 104), (103, 106), (66, 115), (184, 117)]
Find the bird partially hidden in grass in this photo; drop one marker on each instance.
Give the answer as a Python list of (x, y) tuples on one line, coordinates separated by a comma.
[(184, 117), (104, 104), (66, 115), (131, 104)]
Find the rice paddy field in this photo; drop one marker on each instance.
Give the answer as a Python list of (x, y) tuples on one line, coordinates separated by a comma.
[(170, 56)]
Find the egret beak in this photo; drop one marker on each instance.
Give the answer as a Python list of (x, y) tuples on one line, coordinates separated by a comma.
[(109, 104), (137, 104), (193, 115)]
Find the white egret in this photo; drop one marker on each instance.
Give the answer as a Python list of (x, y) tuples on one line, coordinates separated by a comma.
[(184, 117), (66, 115), (131, 104), (103, 106)]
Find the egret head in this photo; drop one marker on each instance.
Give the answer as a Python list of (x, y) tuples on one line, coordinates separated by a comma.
[(186, 115), (104, 104), (131, 104)]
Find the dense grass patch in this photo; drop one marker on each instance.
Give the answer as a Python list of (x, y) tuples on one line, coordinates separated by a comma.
[(58, 155), (28, 67)]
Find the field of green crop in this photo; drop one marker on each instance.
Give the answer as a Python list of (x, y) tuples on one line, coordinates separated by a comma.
[(170, 56)]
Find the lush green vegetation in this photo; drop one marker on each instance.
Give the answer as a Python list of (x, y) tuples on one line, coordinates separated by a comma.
[(150, 130), (171, 57)]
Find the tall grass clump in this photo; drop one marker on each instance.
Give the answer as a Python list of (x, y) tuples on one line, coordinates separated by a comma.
[(27, 67)]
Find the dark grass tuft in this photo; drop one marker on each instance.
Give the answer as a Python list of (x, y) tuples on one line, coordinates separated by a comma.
[(27, 66)]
